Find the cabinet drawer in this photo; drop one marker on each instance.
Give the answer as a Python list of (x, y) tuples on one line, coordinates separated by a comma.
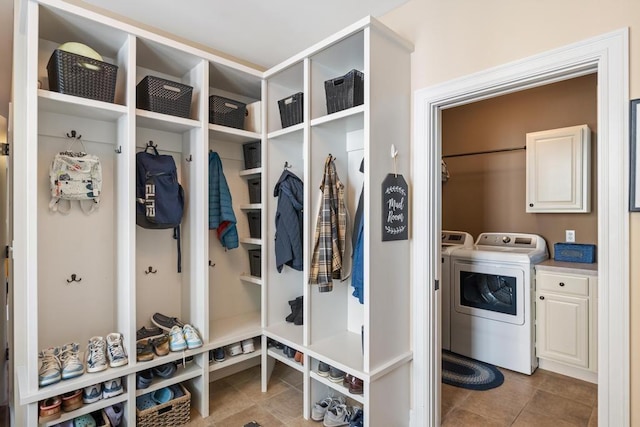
[(566, 284)]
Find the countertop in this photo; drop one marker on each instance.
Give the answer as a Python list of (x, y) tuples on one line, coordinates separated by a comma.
[(568, 267)]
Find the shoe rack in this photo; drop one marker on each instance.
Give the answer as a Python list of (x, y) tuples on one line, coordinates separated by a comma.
[(123, 273)]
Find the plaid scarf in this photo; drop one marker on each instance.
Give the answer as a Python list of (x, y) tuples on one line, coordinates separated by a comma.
[(331, 229)]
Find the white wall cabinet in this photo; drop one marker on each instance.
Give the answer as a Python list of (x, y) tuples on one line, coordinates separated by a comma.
[(129, 273), (566, 313), (559, 170)]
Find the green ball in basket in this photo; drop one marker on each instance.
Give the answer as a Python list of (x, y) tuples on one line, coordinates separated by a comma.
[(83, 50)]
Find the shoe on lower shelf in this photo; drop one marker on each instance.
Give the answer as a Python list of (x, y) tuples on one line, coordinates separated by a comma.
[(339, 415), (92, 393), (235, 349), (144, 351), (144, 402), (356, 386), (320, 408), (112, 388), (323, 369), (72, 400), (70, 360), (49, 409), (247, 346), (115, 350), (357, 419), (101, 418), (114, 414), (144, 379), (161, 345), (162, 395), (165, 322), (165, 371), (85, 420), (336, 375), (219, 354)]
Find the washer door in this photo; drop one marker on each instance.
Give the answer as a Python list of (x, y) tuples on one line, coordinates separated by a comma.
[(489, 291)]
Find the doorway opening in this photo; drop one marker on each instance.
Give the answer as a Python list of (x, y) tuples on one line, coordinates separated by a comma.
[(607, 57)]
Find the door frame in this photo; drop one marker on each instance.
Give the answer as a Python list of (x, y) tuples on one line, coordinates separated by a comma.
[(608, 56)]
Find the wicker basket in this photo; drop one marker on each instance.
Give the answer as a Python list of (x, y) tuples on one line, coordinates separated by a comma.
[(175, 412), (291, 110), (164, 96), (345, 92), (78, 75), (226, 112)]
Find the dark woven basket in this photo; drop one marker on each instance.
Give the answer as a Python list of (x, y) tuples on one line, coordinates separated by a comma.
[(78, 75), (164, 96), (226, 112), (291, 110), (345, 92)]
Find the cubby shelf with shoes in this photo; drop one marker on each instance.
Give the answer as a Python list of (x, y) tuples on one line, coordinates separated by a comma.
[(133, 271)]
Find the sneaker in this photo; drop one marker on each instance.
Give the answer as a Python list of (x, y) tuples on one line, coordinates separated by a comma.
[(49, 409), (115, 350), (144, 379), (112, 388), (235, 349), (176, 339), (218, 354), (323, 369), (320, 408), (247, 346), (339, 415), (357, 420), (50, 371), (114, 413), (71, 365), (165, 322), (93, 393), (336, 375), (192, 337), (96, 355), (145, 333)]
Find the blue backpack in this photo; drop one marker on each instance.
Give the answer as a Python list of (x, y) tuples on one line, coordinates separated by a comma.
[(159, 195)]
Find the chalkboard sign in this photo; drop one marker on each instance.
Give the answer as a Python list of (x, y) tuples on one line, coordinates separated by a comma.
[(395, 208)]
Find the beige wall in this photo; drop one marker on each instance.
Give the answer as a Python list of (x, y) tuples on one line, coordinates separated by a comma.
[(487, 192), (454, 38)]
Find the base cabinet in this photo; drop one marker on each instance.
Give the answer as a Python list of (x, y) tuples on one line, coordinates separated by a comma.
[(566, 322)]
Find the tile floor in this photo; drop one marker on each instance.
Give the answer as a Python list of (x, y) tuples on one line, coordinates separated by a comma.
[(542, 399)]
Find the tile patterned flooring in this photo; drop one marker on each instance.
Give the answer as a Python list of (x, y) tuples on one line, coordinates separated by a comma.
[(544, 399)]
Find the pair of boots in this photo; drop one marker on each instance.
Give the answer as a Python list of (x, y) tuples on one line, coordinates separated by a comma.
[(296, 311)]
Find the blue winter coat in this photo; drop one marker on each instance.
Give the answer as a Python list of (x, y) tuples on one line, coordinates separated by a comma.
[(221, 216), (290, 193)]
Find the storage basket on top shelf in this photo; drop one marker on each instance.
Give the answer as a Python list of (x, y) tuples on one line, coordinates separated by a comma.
[(175, 412), (345, 91), (79, 75), (164, 96), (291, 110), (226, 112)]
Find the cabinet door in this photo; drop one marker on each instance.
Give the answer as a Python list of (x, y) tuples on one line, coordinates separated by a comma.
[(562, 329), (558, 170)]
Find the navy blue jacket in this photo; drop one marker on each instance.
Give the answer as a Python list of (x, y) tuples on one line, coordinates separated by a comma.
[(290, 193)]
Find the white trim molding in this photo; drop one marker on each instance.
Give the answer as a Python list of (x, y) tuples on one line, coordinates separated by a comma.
[(608, 56)]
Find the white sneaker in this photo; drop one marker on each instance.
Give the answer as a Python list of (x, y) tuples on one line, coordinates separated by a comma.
[(50, 371), (176, 339), (71, 365), (247, 346), (340, 415), (112, 388), (93, 393), (320, 408), (96, 355), (191, 336), (115, 350)]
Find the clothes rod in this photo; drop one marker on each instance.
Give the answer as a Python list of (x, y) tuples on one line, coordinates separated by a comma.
[(502, 150)]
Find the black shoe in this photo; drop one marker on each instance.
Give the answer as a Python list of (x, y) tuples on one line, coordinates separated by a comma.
[(295, 304), (289, 352)]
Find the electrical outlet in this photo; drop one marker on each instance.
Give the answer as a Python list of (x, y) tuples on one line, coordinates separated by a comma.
[(570, 236)]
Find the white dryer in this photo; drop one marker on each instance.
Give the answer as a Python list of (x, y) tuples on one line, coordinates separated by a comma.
[(451, 240), (492, 314)]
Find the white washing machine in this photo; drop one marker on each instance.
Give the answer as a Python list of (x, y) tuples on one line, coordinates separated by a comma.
[(451, 240), (493, 314)]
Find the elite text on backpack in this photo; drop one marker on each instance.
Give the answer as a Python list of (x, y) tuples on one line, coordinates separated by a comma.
[(159, 195)]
